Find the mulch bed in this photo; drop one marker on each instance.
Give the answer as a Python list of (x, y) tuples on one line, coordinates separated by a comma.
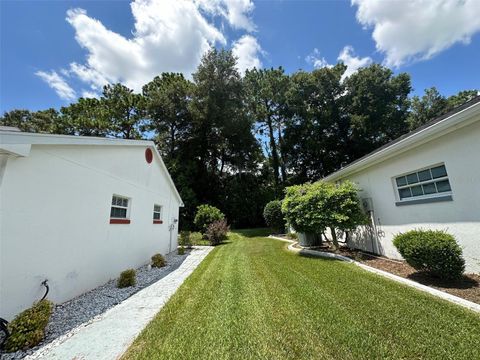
[(467, 287)]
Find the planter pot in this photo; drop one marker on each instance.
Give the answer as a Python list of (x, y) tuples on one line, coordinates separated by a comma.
[(309, 239)]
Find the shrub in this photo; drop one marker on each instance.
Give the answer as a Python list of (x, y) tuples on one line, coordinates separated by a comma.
[(312, 208), (158, 261), (272, 213), (217, 232), (28, 327), (185, 239), (292, 236), (206, 215), (197, 238), (435, 252), (181, 250), (126, 279)]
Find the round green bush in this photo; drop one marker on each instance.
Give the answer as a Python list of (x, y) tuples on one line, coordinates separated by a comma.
[(435, 252), (158, 261), (272, 213), (127, 278), (207, 214), (181, 250)]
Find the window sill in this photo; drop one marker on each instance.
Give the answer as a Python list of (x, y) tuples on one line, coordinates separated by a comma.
[(119, 221), (158, 221), (425, 201)]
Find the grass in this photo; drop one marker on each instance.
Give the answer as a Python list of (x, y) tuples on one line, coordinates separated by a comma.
[(251, 298)]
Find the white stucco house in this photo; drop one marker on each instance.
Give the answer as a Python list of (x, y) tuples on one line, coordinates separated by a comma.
[(429, 179), (77, 211)]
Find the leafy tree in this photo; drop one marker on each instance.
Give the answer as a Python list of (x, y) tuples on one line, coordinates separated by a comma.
[(86, 117), (167, 100), (266, 90), (316, 129), (376, 103), (123, 110), (425, 108), (43, 121), (461, 98)]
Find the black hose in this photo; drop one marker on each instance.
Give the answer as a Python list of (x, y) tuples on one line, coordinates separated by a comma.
[(47, 289)]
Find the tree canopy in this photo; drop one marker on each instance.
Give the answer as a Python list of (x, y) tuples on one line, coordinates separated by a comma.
[(235, 142)]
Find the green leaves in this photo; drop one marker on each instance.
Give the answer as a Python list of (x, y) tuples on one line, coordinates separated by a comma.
[(312, 208)]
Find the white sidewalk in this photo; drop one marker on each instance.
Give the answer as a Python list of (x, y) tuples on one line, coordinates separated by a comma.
[(110, 334)]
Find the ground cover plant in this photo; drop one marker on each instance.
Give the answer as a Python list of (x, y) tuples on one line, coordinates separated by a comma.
[(127, 278), (251, 298)]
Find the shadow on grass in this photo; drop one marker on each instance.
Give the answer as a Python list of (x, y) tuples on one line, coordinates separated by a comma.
[(253, 233), (308, 255), (464, 282)]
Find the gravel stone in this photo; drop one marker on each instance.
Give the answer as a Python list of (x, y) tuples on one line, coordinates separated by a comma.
[(83, 308)]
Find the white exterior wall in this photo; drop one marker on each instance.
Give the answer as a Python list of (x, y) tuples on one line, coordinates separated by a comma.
[(54, 220), (460, 151)]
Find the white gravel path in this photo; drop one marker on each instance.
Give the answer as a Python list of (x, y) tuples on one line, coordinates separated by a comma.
[(108, 335)]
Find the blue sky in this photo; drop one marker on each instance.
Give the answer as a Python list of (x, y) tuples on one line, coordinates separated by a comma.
[(52, 52)]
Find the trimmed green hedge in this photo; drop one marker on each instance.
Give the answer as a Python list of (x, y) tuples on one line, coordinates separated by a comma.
[(272, 213), (435, 252)]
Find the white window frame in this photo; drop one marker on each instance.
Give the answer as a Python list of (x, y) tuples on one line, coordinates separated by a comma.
[(160, 212), (414, 199), (129, 201)]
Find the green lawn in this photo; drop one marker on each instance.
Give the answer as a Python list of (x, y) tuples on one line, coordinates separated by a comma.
[(251, 298)]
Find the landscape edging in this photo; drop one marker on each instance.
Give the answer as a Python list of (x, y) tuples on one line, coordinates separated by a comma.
[(432, 291)]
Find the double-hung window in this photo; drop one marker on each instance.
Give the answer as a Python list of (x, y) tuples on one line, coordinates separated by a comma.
[(120, 210), (425, 185), (157, 214)]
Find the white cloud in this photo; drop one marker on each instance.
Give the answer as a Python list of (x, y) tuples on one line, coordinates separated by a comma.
[(413, 30), (353, 63), (316, 61), (57, 83), (90, 94), (167, 36), (237, 12), (247, 49)]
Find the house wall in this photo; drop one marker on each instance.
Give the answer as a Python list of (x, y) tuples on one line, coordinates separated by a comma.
[(54, 217), (460, 151)]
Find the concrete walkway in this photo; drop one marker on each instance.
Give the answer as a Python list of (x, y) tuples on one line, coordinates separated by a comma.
[(110, 334)]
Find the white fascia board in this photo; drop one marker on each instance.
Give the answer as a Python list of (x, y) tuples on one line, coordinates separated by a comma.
[(22, 150), (443, 127)]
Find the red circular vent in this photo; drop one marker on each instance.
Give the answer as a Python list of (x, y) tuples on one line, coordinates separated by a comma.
[(148, 155)]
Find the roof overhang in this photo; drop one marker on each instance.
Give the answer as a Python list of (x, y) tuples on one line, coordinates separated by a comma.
[(455, 121)]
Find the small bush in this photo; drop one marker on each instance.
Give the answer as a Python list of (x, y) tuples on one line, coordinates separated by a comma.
[(126, 279), (185, 239), (435, 252), (28, 327), (181, 250), (206, 215), (158, 261), (198, 239), (272, 213), (217, 232)]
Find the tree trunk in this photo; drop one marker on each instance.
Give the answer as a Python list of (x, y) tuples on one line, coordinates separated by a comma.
[(334, 238), (273, 147), (282, 157)]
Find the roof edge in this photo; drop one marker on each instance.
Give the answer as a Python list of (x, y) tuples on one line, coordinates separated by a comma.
[(459, 117)]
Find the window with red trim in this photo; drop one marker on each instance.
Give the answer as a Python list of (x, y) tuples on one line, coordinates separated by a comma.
[(120, 210), (157, 214)]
